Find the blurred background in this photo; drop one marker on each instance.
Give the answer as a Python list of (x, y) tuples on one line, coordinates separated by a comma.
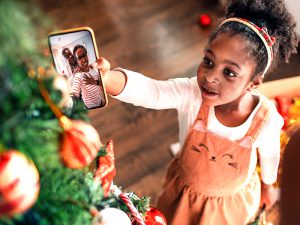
[(162, 39)]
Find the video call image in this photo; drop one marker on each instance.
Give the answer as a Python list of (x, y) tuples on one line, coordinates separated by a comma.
[(73, 53)]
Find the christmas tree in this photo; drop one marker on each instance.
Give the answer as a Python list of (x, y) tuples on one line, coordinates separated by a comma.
[(53, 167)]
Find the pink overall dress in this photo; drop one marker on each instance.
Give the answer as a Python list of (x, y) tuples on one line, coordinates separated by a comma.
[(207, 184)]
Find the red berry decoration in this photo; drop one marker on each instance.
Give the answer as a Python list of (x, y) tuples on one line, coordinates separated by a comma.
[(204, 20), (106, 169), (19, 183), (80, 143), (155, 217)]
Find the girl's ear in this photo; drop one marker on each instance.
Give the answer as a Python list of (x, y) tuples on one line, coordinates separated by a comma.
[(255, 82)]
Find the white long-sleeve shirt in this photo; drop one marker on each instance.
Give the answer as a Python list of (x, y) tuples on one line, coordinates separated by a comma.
[(183, 94)]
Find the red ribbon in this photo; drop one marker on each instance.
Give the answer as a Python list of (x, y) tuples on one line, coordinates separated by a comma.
[(106, 169), (264, 32)]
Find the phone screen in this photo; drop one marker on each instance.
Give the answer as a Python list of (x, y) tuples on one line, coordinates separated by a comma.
[(73, 51)]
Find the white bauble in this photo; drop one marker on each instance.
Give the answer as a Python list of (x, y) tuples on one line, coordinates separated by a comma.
[(111, 216)]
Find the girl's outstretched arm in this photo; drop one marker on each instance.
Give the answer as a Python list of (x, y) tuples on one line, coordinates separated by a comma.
[(114, 81), (269, 195)]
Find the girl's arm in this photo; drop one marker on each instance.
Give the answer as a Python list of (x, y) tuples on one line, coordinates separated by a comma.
[(139, 90), (269, 156), (269, 195), (289, 87), (114, 81)]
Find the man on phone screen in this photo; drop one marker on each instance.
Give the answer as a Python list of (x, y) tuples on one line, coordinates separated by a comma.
[(71, 65)]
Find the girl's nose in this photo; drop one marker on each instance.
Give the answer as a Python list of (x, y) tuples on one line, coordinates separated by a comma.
[(212, 77)]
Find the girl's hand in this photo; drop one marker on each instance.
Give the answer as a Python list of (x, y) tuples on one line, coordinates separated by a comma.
[(114, 81), (103, 65), (268, 195)]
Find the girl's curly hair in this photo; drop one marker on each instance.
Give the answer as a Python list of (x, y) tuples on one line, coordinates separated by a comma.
[(271, 14)]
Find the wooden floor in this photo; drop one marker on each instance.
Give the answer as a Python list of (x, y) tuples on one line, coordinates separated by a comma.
[(162, 39)]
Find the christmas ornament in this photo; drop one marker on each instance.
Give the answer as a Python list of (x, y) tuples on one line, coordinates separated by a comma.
[(80, 143), (61, 83), (290, 111), (155, 217), (106, 169), (19, 183), (294, 112), (134, 212), (204, 20), (111, 216), (283, 104)]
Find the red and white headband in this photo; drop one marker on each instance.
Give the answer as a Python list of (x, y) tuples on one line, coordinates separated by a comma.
[(261, 33)]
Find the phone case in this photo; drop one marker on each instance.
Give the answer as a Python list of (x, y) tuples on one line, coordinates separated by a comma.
[(61, 44)]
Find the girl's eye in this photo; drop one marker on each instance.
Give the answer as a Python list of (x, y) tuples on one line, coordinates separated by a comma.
[(229, 73), (207, 61)]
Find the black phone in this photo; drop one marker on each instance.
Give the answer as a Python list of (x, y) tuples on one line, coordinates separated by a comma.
[(73, 52)]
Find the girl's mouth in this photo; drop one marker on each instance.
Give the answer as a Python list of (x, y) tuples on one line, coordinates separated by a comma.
[(208, 92)]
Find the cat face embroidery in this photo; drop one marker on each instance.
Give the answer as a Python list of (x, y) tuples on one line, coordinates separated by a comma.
[(233, 164), (228, 158)]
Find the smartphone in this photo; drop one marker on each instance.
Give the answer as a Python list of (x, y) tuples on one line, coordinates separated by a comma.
[(73, 52)]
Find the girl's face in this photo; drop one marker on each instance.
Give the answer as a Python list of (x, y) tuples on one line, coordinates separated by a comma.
[(224, 75)]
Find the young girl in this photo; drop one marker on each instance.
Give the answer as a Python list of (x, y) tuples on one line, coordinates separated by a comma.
[(222, 120)]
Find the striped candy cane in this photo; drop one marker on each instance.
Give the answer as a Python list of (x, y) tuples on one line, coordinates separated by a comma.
[(134, 212)]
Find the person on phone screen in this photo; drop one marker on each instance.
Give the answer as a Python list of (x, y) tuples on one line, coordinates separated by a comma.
[(71, 66), (91, 93)]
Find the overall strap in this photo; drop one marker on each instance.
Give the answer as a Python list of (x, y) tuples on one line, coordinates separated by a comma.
[(203, 113), (259, 120)]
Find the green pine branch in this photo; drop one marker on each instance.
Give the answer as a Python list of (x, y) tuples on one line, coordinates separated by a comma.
[(28, 125)]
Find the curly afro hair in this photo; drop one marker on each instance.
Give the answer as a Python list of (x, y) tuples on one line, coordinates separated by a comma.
[(78, 47), (271, 14)]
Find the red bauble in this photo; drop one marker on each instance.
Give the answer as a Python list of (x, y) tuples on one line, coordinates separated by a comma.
[(80, 143), (204, 20), (155, 217), (283, 107), (19, 183)]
